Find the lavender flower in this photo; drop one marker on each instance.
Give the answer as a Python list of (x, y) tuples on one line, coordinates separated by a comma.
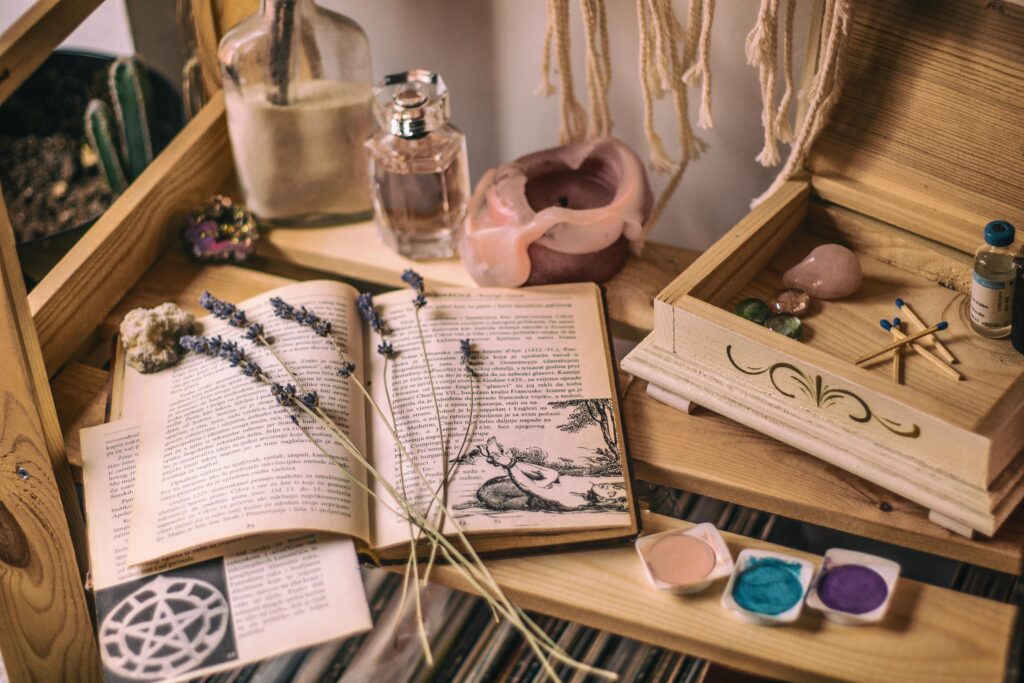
[(347, 369), (215, 347), (255, 333), (420, 301), (223, 310), (466, 355), (413, 279), (311, 400), (302, 316), (386, 349), (283, 394), (369, 314)]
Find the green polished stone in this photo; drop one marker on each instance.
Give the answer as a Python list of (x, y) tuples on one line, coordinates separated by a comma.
[(788, 325), (753, 309)]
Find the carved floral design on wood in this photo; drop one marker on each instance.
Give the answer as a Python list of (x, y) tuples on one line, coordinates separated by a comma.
[(823, 395)]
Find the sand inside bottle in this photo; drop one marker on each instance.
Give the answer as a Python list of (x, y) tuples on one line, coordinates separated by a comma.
[(305, 162)]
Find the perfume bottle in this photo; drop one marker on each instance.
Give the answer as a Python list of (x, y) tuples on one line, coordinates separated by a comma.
[(418, 167), (299, 95)]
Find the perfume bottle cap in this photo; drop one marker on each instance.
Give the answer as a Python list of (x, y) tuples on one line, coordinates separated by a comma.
[(999, 233), (412, 103)]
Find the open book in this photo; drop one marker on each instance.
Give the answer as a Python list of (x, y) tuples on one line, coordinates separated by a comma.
[(533, 439)]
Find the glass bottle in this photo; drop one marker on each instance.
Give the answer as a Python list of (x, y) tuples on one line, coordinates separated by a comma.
[(992, 281), (298, 92), (419, 167)]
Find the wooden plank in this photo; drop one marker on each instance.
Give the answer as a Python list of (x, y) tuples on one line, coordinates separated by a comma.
[(80, 395), (130, 236), (929, 115), (354, 251), (26, 43), (45, 632), (744, 250), (930, 634), (712, 455)]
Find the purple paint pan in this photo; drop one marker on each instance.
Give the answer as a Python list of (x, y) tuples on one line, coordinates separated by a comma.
[(853, 588)]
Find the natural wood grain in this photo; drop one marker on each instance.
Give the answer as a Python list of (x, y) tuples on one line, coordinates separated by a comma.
[(930, 634), (80, 395), (45, 632), (26, 43), (712, 455), (355, 252), (131, 235), (929, 118), (744, 250)]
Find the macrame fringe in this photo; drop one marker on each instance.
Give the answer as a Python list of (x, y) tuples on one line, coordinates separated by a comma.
[(698, 55), (783, 128), (823, 91), (761, 48)]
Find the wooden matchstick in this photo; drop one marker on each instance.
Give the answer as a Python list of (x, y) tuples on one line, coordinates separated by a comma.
[(939, 364), (940, 348), (897, 355), (938, 327)]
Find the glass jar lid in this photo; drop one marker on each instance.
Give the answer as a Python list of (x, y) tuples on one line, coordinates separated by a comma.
[(412, 103)]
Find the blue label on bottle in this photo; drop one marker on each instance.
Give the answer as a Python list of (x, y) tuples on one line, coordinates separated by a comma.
[(989, 284)]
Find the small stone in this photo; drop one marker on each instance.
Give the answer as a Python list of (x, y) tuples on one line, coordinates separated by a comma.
[(150, 336), (830, 271), (791, 302), (788, 325), (754, 310)]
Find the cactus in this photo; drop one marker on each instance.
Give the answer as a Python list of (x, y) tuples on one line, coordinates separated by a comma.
[(98, 129), (126, 157)]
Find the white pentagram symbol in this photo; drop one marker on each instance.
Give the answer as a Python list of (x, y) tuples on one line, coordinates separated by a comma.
[(166, 627)]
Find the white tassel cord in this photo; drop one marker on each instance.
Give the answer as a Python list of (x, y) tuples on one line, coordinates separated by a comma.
[(823, 91), (761, 48)]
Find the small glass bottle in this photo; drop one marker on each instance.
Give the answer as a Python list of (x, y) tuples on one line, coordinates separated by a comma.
[(298, 92), (992, 282), (419, 167)]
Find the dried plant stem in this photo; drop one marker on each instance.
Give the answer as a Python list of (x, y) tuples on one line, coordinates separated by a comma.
[(437, 410), (475, 572), (471, 567)]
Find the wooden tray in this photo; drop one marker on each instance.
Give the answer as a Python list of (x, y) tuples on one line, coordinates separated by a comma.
[(900, 176)]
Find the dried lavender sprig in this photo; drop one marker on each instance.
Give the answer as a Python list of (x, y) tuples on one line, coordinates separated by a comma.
[(223, 310), (414, 280), (301, 315), (466, 355), (386, 349), (370, 314), (215, 347)]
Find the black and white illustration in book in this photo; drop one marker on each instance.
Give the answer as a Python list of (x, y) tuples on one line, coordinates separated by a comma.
[(165, 625), (583, 475)]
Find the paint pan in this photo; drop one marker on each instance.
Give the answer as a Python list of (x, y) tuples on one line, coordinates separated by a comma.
[(768, 588), (684, 561), (854, 588)]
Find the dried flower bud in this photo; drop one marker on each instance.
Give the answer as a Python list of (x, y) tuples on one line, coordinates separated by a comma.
[(347, 368)]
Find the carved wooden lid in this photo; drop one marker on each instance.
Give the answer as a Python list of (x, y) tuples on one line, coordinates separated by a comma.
[(928, 133)]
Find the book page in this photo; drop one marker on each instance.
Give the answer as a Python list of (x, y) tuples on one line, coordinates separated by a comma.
[(221, 459), (214, 608), (532, 437)]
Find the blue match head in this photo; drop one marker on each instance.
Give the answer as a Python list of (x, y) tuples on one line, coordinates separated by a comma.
[(941, 326), (896, 322), (886, 325), (899, 302)]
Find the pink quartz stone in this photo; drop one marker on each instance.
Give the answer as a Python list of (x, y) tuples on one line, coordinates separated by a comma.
[(830, 271), (566, 214)]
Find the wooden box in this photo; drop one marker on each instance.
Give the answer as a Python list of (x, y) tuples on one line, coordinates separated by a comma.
[(923, 148)]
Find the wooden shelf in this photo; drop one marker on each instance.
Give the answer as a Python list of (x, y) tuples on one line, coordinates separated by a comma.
[(712, 455), (354, 251), (930, 634)]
